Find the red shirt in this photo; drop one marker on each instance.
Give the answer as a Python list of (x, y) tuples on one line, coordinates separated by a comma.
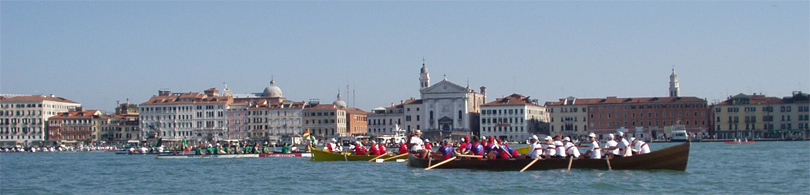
[(374, 151), (359, 150), (403, 149), (381, 149)]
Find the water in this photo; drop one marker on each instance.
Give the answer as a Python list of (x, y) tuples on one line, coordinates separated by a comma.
[(714, 168)]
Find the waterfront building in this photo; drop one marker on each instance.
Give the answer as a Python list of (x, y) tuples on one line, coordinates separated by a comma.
[(238, 123), (123, 126), (514, 117), (386, 120), (193, 116), (274, 117), (23, 118), (642, 117), (334, 120), (449, 109), (758, 116), (76, 126)]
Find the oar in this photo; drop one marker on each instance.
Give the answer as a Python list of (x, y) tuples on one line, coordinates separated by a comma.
[(381, 155), (570, 162), (530, 164), (608, 162), (469, 156), (441, 163), (393, 157), (501, 148)]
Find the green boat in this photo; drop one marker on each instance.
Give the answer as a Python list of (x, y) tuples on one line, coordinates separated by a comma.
[(323, 155)]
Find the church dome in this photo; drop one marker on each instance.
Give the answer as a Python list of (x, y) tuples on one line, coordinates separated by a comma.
[(424, 69), (272, 90), (339, 103)]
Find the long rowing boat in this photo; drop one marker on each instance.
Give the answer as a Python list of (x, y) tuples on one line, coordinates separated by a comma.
[(671, 158), (170, 156), (322, 155), (295, 154)]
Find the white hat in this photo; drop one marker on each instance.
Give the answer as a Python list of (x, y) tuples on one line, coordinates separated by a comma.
[(567, 139), (427, 140), (619, 133), (548, 137), (610, 136), (534, 137), (373, 142), (591, 135), (333, 140), (462, 139), (632, 139)]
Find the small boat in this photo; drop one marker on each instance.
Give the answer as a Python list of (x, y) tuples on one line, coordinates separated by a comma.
[(671, 158), (322, 155), (294, 154), (170, 156), (741, 142)]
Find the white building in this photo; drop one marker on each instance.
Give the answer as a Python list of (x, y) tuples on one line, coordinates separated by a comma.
[(23, 118), (513, 118), (193, 116)]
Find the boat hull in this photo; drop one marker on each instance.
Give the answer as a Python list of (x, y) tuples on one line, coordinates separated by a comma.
[(671, 158), (321, 155), (208, 156), (748, 142), (282, 155)]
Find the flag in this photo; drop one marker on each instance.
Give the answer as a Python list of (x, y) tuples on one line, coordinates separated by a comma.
[(306, 133)]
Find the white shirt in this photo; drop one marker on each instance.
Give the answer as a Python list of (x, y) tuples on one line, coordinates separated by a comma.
[(624, 147), (572, 150), (560, 148), (334, 147), (535, 151), (612, 143), (418, 144), (642, 147), (596, 152), (551, 150)]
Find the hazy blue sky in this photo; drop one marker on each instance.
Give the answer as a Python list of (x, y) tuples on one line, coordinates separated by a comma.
[(97, 53)]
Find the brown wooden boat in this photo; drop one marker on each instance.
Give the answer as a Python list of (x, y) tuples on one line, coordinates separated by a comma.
[(671, 158)]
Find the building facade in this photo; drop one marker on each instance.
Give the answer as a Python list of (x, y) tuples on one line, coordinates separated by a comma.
[(24, 118), (178, 116), (757, 116), (514, 117), (77, 126), (123, 126)]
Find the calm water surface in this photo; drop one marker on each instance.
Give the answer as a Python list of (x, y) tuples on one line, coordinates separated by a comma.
[(714, 168)]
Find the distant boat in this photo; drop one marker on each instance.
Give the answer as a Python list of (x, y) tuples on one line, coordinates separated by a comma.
[(172, 156), (736, 142), (679, 133)]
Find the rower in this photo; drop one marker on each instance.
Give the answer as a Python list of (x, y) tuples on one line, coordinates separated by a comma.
[(446, 149), (359, 149), (623, 146), (428, 146), (611, 146), (381, 148), (594, 152), (536, 149), (403, 148), (476, 148), (570, 148), (331, 146), (374, 150), (551, 150), (464, 147), (558, 144), (639, 146)]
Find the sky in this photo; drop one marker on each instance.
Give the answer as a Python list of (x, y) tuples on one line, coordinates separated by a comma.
[(98, 53)]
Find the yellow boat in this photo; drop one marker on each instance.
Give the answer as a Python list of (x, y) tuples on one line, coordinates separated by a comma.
[(323, 155)]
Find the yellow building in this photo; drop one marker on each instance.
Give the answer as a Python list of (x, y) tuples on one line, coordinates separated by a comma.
[(757, 116)]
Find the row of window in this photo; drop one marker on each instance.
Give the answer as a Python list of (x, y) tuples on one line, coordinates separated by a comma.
[(21, 113), (650, 114), (179, 108), (504, 129), (651, 106), (501, 111), (764, 109), (19, 137), (502, 120), (24, 121), (618, 124), (788, 126)]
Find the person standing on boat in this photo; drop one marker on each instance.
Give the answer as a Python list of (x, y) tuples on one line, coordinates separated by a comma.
[(331, 146), (536, 149), (639, 146), (417, 145), (446, 150), (594, 152), (570, 148)]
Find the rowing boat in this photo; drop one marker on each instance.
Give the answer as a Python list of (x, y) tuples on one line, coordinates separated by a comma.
[(733, 142), (525, 149), (171, 156), (323, 155), (671, 158), (295, 154)]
